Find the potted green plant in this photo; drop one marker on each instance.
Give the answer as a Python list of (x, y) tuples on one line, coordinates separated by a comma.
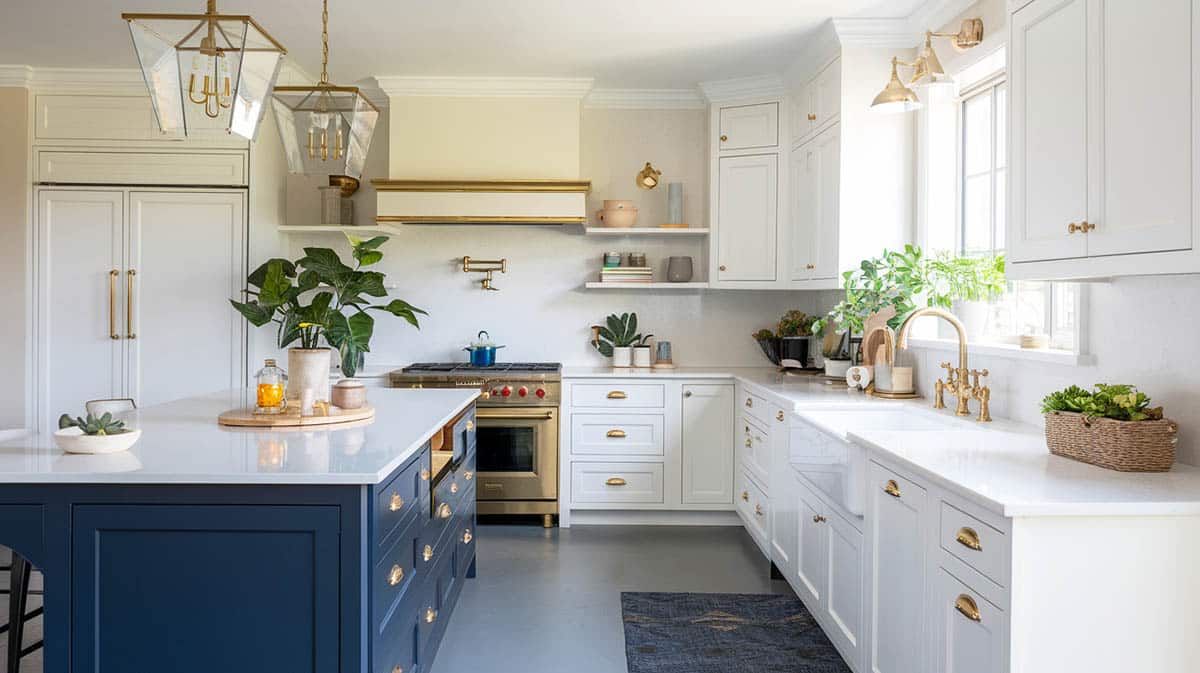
[(617, 337), (94, 435), (316, 299), (1112, 426), (970, 283)]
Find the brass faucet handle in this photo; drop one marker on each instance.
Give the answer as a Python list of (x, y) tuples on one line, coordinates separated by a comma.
[(975, 374), (949, 372), (984, 395)]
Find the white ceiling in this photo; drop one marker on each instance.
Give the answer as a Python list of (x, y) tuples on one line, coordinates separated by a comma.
[(621, 43)]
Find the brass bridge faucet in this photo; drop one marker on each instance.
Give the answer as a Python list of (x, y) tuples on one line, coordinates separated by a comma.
[(957, 379)]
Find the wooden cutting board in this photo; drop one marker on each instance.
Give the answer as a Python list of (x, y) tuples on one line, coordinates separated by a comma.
[(291, 417)]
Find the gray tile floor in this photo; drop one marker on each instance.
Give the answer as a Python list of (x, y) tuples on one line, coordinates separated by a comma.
[(549, 601)]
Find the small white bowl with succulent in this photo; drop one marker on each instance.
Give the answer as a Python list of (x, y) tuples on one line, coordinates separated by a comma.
[(94, 435)]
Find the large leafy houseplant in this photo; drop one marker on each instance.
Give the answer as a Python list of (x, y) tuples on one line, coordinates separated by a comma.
[(318, 297)]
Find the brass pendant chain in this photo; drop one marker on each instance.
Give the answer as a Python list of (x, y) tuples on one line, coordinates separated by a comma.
[(324, 41)]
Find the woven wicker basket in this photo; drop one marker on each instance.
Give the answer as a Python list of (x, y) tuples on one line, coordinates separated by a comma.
[(1127, 446)]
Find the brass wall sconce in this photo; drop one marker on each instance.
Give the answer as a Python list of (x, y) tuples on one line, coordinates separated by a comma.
[(486, 267), (647, 178), (927, 69)]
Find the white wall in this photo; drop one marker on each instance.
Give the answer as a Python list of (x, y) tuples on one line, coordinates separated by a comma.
[(14, 195)]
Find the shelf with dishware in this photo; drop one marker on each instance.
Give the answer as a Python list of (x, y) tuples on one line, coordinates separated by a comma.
[(671, 232)]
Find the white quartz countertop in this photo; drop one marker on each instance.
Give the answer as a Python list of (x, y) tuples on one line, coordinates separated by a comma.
[(1003, 466), (181, 443)]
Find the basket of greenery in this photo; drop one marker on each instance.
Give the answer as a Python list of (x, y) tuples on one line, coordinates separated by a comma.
[(1112, 426)]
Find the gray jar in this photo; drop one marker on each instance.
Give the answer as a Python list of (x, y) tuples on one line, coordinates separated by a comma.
[(679, 269)]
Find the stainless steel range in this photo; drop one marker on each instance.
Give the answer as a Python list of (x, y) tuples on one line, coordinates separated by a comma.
[(517, 436)]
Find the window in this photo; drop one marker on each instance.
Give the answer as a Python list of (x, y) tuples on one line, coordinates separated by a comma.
[(977, 227)]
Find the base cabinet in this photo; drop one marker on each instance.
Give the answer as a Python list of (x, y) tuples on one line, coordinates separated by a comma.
[(706, 434), (896, 520), (970, 633)]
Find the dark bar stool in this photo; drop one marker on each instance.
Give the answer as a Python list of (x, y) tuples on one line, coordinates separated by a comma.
[(19, 573)]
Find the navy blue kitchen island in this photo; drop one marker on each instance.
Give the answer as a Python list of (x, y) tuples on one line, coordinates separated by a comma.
[(206, 549)]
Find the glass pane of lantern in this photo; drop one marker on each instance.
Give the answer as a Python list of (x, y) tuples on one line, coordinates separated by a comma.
[(258, 67), (362, 128), (156, 55), (325, 132)]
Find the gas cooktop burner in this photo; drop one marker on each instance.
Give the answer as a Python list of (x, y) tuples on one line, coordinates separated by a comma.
[(466, 368)]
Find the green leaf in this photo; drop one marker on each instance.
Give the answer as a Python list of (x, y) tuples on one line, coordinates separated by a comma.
[(326, 263), (65, 421), (308, 280), (275, 286), (368, 257), (350, 336), (258, 275), (257, 314), (402, 309)]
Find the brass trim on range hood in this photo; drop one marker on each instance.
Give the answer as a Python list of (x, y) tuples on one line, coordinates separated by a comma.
[(476, 219), (384, 185)]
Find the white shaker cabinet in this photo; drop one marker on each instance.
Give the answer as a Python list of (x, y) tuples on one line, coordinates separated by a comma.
[(814, 214), (747, 210), (971, 634), (707, 434), (896, 517), (749, 126), (1104, 150)]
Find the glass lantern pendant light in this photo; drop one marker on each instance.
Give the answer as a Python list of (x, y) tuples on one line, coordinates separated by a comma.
[(326, 129), (206, 70)]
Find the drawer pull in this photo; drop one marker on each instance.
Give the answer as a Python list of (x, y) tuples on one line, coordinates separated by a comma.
[(617, 395), (968, 538), (967, 606), (427, 553), (470, 426), (892, 488), (817, 518), (430, 615), (398, 669), (812, 117), (467, 537), (468, 475), (758, 510), (614, 481), (444, 511), (749, 442), (395, 576), (615, 434), (396, 503), (746, 496), (454, 487), (424, 475), (749, 402), (779, 416)]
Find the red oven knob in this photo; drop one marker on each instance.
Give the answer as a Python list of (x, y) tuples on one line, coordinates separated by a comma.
[(540, 392), (506, 391), (522, 391)]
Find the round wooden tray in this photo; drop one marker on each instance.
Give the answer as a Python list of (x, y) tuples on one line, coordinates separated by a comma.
[(291, 417)]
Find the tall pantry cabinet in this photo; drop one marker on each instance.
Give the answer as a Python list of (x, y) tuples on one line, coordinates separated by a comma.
[(138, 245)]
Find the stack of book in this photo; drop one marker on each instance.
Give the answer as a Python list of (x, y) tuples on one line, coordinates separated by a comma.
[(626, 274)]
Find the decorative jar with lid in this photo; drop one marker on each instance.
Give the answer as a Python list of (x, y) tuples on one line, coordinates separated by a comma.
[(271, 383)]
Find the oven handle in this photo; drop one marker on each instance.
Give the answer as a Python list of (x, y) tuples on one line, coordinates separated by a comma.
[(544, 416)]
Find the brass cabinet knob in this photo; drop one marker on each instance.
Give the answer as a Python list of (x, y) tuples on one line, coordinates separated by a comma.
[(395, 575), (470, 425), (892, 488), (467, 537), (424, 475), (1086, 226), (810, 266), (758, 510), (724, 138), (967, 607), (427, 553), (1072, 228), (614, 481), (454, 487), (687, 393), (485, 395), (968, 538), (812, 117), (430, 615), (779, 416), (746, 496), (749, 442), (398, 669), (721, 268), (444, 511), (749, 401), (396, 503), (817, 518)]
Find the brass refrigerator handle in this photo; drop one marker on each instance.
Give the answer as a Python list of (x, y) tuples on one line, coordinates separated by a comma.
[(112, 304), (129, 333)]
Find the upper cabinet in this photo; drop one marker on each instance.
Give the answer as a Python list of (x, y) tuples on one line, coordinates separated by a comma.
[(817, 103), (748, 210), (1104, 151), (749, 126)]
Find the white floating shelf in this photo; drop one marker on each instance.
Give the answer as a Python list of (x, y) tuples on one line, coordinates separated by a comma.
[(336, 228), (696, 285), (646, 231)]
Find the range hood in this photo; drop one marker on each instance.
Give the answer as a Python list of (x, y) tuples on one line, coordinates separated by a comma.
[(536, 201)]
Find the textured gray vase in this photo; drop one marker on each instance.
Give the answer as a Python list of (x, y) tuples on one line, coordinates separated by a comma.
[(679, 269), (675, 203)]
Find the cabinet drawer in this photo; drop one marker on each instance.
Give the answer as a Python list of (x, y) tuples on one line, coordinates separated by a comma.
[(617, 482), (395, 573), (462, 435), (753, 507), (618, 395), (220, 169), (611, 434), (755, 406), (749, 126), (971, 632), (397, 500), (979, 545), (396, 646), (754, 449)]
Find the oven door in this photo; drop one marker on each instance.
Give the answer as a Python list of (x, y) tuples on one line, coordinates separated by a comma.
[(517, 453)]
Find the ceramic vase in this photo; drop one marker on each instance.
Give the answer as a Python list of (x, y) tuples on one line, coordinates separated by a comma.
[(675, 203), (308, 368), (622, 356), (641, 356)]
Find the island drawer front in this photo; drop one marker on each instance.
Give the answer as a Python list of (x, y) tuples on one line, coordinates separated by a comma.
[(464, 536), (397, 572), (443, 587), (755, 405), (618, 395), (449, 494), (976, 543), (617, 482), (399, 498), (396, 645), (462, 437), (617, 434)]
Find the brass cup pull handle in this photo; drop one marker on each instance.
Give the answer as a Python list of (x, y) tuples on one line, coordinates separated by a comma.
[(444, 511), (430, 615), (812, 117), (129, 333), (112, 304), (614, 481), (427, 554), (396, 503), (892, 488), (967, 607), (968, 538), (467, 537), (746, 496), (617, 395), (398, 669), (468, 475), (817, 518), (395, 575), (615, 434)]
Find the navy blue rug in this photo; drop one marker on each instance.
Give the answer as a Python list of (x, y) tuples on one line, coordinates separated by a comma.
[(724, 633)]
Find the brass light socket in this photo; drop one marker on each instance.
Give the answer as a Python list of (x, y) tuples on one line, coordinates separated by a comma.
[(347, 184)]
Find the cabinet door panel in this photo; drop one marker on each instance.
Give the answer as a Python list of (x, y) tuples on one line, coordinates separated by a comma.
[(805, 214), (811, 552), (785, 499), (1049, 124), (81, 301), (825, 238), (897, 510), (706, 435), (746, 219), (829, 93), (973, 639), (188, 252), (843, 600), (1146, 192), (749, 126), (154, 588)]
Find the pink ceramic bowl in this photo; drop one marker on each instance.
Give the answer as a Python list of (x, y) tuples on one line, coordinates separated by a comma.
[(617, 219)]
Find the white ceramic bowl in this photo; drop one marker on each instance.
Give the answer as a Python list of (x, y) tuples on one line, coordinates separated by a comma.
[(72, 440)]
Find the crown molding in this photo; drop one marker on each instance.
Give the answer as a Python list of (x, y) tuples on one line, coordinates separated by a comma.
[(937, 13), (820, 49), (82, 81), (899, 33), (16, 75), (760, 86), (485, 87), (644, 99)]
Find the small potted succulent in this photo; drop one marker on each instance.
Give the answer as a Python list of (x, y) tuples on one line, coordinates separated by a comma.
[(618, 336), (94, 435), (795, 333)]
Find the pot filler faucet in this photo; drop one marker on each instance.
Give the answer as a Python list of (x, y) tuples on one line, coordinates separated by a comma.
[(956, 379)]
